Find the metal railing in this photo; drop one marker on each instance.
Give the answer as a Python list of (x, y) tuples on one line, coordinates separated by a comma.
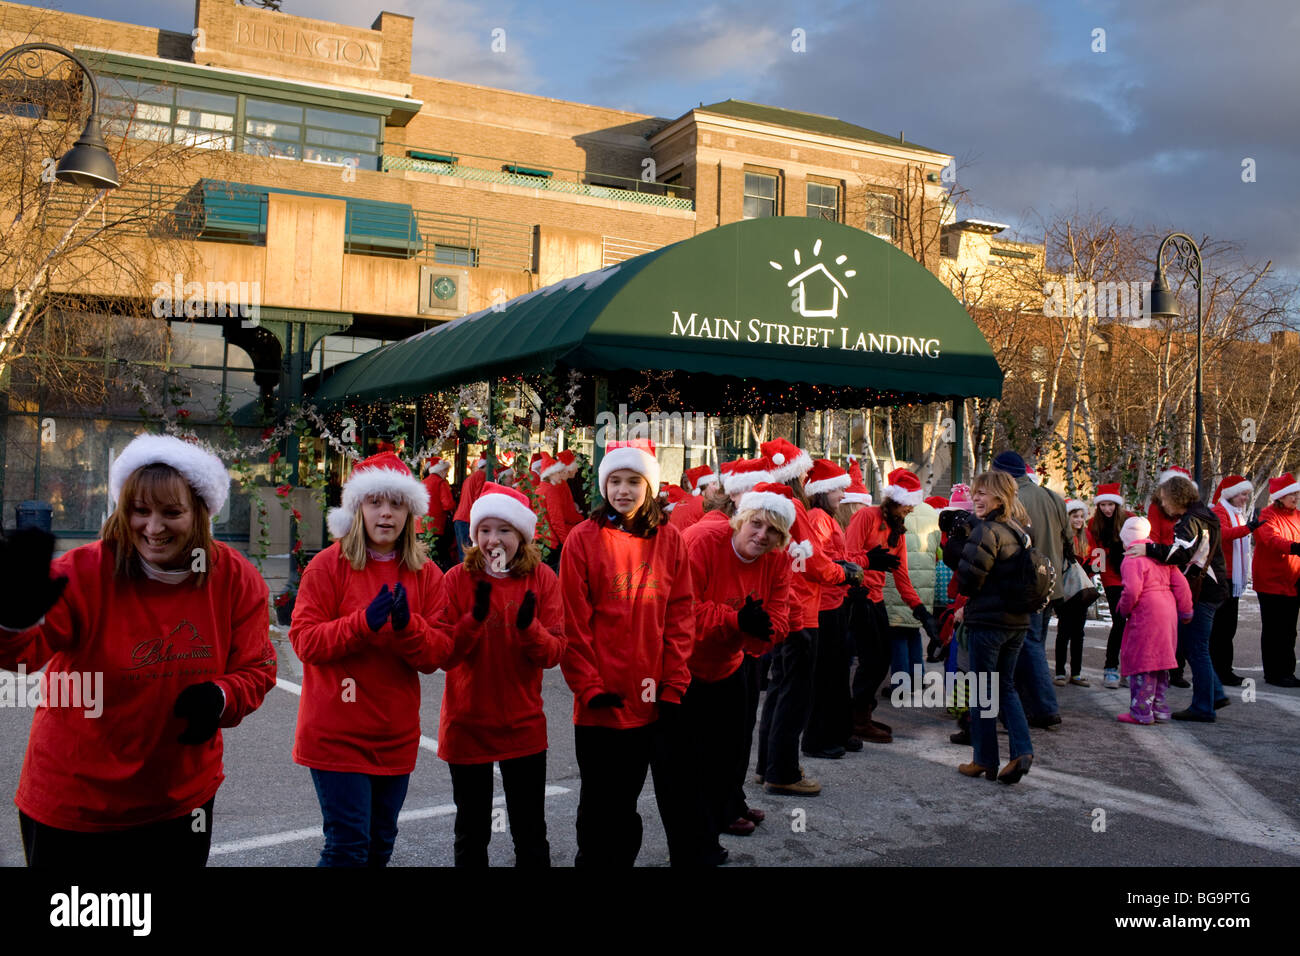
[(627, 189), (614, 249)]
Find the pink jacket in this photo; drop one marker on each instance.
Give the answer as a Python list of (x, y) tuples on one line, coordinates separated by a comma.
[(1156, 597)]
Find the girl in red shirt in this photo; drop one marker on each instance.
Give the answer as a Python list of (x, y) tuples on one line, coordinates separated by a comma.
[(504, 605), (156, 636), (628, 617), (1103, 535), (361, 626)]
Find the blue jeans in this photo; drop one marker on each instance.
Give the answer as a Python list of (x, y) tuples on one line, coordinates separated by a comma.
[(462, 537), (905, 650), (1194, 641), (995, 652), (1033, 676), (360, 812)]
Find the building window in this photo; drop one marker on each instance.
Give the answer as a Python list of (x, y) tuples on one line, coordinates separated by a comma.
[(823, 202), (882, 215), (760, 195), (455, 255), (948, 246)]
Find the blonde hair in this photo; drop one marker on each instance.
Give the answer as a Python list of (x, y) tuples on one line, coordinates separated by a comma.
[(410, 549), (771, 518), (158, 484), (1002, 487)]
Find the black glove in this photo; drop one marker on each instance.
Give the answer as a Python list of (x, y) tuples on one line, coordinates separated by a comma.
[(852, 572), (527, 611), (401, 609), (935, 650), (1254, 523), (927, 621), (754, 620), (482, 597), (379, 609), (25, 569), (606, 700), (1295, 548), (879, 558), (858, 593), (201, 705)]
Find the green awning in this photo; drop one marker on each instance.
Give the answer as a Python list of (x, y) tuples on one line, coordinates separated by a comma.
[(776, 301)]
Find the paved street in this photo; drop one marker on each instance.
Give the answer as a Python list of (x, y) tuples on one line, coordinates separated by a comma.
[(1178, 794)]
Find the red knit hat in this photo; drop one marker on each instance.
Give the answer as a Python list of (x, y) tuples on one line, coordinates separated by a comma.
[(505, 504), (1109, 493), (787, 460), (554, 465), (1281, 487), (904, 487), (769, 496), (826, 476), (384, 474), (856, 493), (1230, 487), (693, 476), (676, 495), (566, 458), (747, 473)]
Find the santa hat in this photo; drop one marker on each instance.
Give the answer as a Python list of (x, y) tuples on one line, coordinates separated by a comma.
[(695, 477), (1109, 493), (1281, 487), (504, 504), (959, 498), (746, 474), (1230, 487), (904, 487), (1136, 528), (1074, 504), (826, 476), (787, 460), (1173, 472), (535, 462), (635, 454), (937, 502), (381, 474), (769, 496), (676, 495), (482, 461), (438, 466), (553, 466), (567, 458), (856, 493), (200, 468)]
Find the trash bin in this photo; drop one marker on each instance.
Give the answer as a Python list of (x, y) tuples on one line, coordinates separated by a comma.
[(34, 514)]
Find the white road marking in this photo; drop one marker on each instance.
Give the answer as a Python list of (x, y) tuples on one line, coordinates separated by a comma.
[(1290, 704), (315, 833)]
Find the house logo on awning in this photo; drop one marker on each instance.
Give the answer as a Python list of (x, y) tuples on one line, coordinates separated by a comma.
[(817, 284)]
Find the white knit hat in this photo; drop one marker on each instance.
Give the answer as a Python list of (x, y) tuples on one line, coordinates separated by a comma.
[(381, 474), (198, 466), (1136, 528), (635, 454), (505, 504)]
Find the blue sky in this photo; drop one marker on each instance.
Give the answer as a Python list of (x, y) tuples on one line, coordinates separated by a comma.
[(1151, 131)]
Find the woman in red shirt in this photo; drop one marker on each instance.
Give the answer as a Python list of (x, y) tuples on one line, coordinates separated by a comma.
[(629, 620), (362, 628), (1276, 576), (155, 637), (1103, 535), (504, 605)]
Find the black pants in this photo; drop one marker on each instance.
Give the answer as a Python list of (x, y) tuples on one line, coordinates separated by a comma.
[(1277, 620), (1069, 636), (715, 725), (613, 765), (830, 715), (524, 781), (181, 842), (785, 709), (1116, 637), (751, 673), (869, 626), (1221, 635)]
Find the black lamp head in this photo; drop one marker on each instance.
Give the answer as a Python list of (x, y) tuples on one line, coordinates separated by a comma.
[(88, 163), (1164, 304)]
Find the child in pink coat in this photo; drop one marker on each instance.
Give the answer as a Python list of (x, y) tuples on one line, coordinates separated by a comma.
[(1156, 597)]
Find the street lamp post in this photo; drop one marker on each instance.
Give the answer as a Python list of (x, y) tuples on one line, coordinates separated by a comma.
[(1165, 305), (88, 163)]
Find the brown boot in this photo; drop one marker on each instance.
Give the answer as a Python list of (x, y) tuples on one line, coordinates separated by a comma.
[(874, 735)]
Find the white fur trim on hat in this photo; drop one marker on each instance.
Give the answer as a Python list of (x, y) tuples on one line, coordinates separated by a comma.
[(1074, 504), (375, 481), (768, 501), (827, 484), (1282, 493), (744, 481), (441, 468), (708, 479), (1170, 473), (631, 459), (801, 465), (199, 467), (903, 496), (555, 469), (505, 508), (856, 498), (1233, 490), (1114, 499)]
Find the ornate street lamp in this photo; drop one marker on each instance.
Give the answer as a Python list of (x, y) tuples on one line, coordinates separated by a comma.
[(88, 163), (1165, 305)]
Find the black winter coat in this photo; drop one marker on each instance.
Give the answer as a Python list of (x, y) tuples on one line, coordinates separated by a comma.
[(1197, 533), (983, 560)]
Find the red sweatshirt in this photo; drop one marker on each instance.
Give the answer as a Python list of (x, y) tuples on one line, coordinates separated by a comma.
[(492, 705), (1162, 528), (687, 512), (629, 619), (830, 538), (1228, 533), (722, 581), (1274, 569), (867, 529), (360, 708), (124, 767), (469, 492), (441, 503), (560, 510), (819, 571)]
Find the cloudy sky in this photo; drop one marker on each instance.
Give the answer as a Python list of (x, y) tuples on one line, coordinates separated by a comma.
[(1153, 130)]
